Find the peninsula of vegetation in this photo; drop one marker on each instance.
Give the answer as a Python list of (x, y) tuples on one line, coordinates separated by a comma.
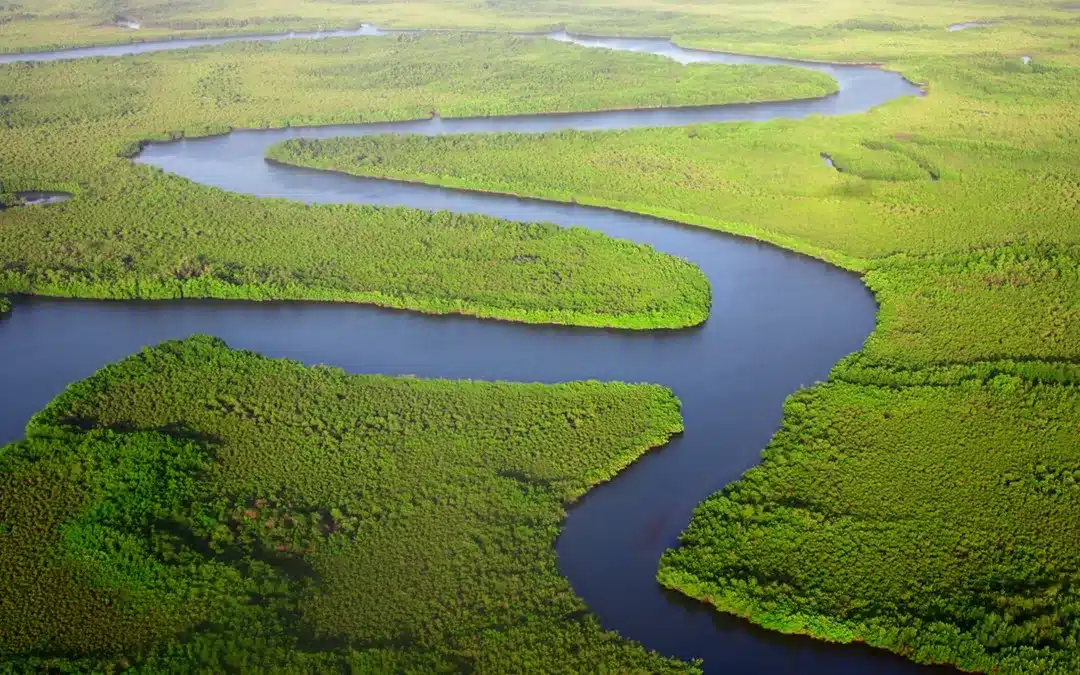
[(199, 508), (133, 232)]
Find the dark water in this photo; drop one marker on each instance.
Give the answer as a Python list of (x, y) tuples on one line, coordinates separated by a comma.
[(34, 197), (779, 322)]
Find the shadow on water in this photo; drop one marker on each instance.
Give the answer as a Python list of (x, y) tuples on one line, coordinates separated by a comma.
[(779, 322)]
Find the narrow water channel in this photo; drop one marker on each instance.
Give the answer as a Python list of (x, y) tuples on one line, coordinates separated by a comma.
[(779, 322)]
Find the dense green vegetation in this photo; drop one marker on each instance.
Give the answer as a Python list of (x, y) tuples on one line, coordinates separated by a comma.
[(937, 521), (953, 296), (132, 231), (1019, 301), (199, 508), (924, 500), (5, 306)]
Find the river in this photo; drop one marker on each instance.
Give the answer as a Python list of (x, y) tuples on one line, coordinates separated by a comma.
[(779, 322)]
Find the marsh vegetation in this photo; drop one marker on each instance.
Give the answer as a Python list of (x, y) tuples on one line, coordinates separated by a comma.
[(924, 519), (50, 24)]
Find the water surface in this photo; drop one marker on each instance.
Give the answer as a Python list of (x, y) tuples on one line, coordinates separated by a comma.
[(38, 197), (968, 24)]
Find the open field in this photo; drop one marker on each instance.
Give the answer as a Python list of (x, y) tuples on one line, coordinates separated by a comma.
[(300, 518), (133, 232)]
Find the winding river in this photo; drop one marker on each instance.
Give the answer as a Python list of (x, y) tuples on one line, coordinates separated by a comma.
[(779, 322)]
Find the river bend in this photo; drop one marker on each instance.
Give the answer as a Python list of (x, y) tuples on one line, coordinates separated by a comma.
[(779, 322)]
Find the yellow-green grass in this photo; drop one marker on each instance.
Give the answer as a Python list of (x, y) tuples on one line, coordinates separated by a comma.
[(1001, 138)]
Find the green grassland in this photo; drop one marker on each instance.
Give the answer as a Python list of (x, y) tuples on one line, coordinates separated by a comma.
[(134, 232), (195, 508), (924, 500)]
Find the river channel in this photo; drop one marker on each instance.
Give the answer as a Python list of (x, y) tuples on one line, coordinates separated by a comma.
[(779, 322)]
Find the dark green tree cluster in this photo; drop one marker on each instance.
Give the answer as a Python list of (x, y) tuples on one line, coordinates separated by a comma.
[(195, 508)]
